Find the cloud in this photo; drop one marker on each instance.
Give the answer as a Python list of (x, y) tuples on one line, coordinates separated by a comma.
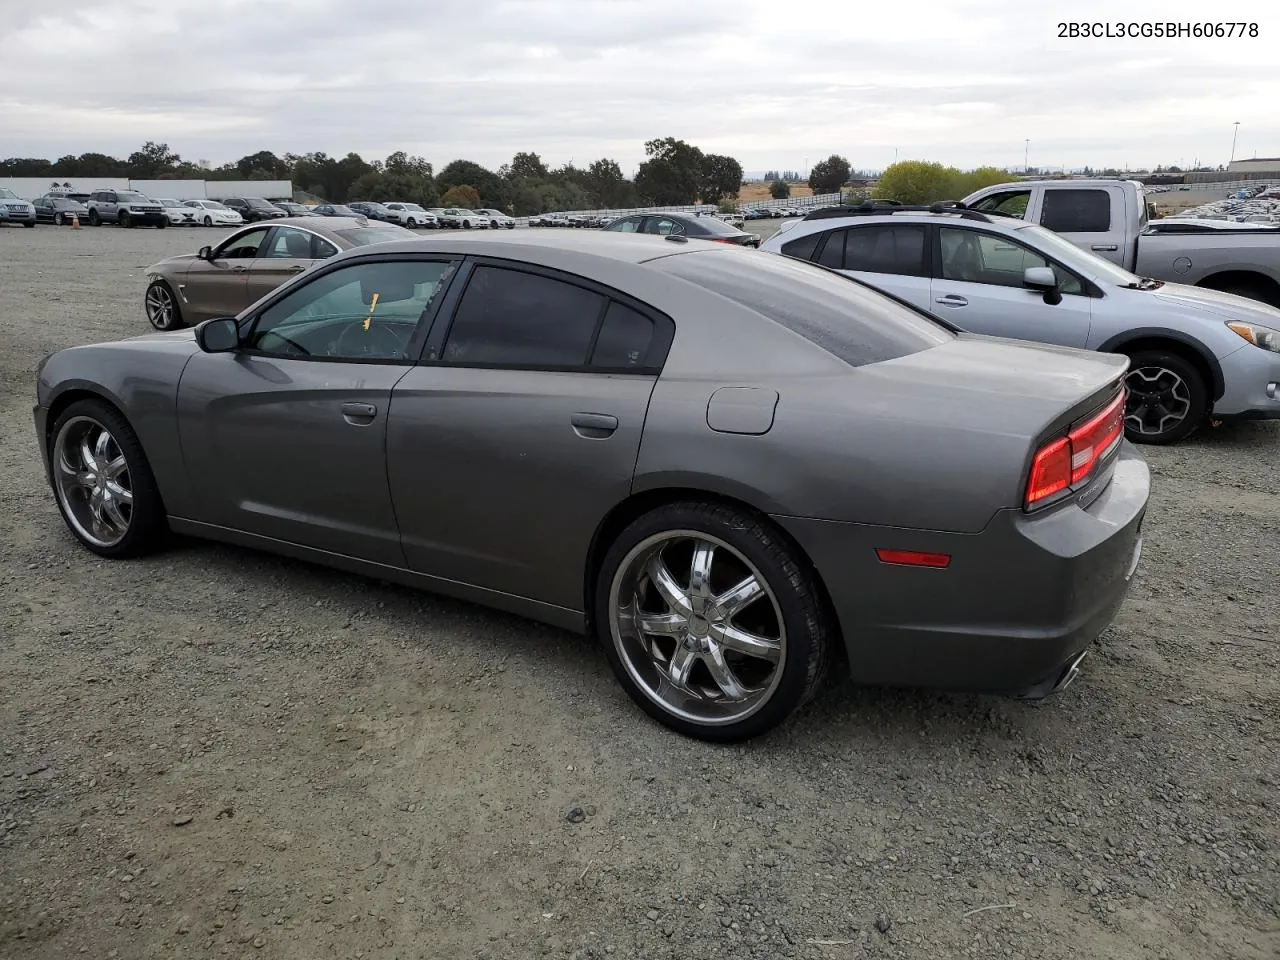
[(771, 84)]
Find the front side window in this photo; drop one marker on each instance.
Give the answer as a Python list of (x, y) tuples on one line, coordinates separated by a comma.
[(1076, 211), (973, 257), (1012, 203), (512, 318), (366, 311), (244, 246), (625, 225)]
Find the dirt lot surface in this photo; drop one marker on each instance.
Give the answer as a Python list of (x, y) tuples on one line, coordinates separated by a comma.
[(217, 753)]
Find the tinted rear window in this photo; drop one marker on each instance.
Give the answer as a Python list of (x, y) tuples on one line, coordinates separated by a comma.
[(841, 315), (374, 233), (715, 225), (1076, 211)]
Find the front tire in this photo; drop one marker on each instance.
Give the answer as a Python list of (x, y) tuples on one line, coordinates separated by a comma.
[(102, 482), (126, 220), (711, 621), (1168, 398), (94, 219), (161, 306), (29, 223), (162, 224), (59, 219), (208, 221)]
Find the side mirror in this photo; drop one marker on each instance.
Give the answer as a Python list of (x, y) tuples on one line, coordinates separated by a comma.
[(1039, 278), (205, 253), (1042, 280), (219, 335)]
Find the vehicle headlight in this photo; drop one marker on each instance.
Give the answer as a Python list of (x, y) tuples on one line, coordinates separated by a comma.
[(1258, 335)]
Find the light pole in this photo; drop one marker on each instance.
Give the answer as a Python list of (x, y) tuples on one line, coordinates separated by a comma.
[(1233, 141), (1026, 153)]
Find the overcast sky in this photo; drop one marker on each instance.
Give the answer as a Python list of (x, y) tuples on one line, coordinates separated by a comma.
[(774, 84)]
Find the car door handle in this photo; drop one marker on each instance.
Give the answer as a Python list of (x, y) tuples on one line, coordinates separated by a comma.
[(1104, 246), (297, 268), (952, 300), (359, 414), (239, 268), (593, 426)]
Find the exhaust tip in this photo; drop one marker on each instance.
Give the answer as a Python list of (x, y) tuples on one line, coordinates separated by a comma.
[(1069, 673)]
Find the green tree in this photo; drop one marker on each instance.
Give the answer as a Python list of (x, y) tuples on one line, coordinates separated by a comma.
[(917, 182), (672, 174), (493, 190), (829, 175), (262, 162), (972, 180), (462, 195), (779, 189), (608, 187), (721, 177), (527, 166), (151, 161)]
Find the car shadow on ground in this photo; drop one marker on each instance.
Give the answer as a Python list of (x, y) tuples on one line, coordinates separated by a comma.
[(843, 710)]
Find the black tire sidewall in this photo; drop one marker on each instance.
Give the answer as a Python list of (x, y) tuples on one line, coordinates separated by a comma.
[(1196, 386), (806, 656), (148, 525)]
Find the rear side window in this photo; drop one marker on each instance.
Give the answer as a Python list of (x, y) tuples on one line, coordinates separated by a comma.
[(1076, 211), (802, 248), (891, 248), (625, 338), (841, 315), (512, 318)]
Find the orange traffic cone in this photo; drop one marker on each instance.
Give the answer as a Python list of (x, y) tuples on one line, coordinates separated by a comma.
[(75, 221)]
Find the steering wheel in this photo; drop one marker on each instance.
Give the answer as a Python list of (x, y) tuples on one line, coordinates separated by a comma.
[(378, 341)]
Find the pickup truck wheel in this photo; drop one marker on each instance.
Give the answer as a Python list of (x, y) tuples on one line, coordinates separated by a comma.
[(94, 219), (1168, 398)]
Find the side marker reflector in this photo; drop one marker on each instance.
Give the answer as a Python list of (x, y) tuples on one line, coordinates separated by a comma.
[(913, 558)]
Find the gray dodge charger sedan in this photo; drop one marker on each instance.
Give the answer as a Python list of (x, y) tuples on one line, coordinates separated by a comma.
[(734, 468)]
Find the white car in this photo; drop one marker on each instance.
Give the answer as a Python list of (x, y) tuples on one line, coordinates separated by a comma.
[(212, 213), (735, 218), (412, 215), (178, 212), (497, 219)]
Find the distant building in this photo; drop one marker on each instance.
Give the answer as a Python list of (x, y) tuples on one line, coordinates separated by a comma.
[(1259, 168)]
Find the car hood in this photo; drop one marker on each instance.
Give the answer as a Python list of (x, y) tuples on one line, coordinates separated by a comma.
[(165, 337), (1228, 306), (172, 263)]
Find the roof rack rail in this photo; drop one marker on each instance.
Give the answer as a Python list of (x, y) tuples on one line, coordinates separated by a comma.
[(869, 207)]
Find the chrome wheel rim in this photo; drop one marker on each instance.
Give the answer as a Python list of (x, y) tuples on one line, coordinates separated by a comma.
[(91, 478), (697, 627), (1159, 400), (160, 307)]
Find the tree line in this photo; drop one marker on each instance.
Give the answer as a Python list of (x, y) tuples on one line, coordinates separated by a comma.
[(673, 173)]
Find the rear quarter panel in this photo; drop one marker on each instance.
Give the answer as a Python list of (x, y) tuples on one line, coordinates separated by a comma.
[(140, 378)]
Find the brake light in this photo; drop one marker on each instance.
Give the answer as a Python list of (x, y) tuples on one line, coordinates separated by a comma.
[(1068, 460)]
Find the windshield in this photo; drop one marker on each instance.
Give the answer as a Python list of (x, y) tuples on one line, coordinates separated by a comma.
[(129, 196), (1075, 257), (7, 194), (412, 206), (259, 203), (375, 233), (167, 202)]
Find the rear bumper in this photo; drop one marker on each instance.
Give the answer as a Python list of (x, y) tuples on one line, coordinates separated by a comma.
[(1018, 604)]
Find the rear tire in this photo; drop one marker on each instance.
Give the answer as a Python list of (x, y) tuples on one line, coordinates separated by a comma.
[(1168, 398), (126, 496), (94, 219), (741, 665), (208, 221)]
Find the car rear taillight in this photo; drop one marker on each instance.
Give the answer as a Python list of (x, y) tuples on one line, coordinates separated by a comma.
[(1066, 461)]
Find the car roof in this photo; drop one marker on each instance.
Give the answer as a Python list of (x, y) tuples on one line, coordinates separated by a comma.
[(535, 246)]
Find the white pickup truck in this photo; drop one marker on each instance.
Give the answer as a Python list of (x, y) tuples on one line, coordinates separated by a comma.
[(1111, 219)]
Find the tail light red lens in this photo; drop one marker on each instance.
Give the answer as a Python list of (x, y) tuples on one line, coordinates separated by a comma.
[(1068, 460)]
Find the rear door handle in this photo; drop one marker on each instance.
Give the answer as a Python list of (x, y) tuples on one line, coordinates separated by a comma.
[(952, 300), (1105, 246), (359, 414), (594, 426), (239, 268), (297, 268)]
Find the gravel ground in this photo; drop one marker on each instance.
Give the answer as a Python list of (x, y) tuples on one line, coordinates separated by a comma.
[(218, 753)]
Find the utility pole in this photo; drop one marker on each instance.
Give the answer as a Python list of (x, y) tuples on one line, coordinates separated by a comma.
[(1026, 153), (1233, 141)]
